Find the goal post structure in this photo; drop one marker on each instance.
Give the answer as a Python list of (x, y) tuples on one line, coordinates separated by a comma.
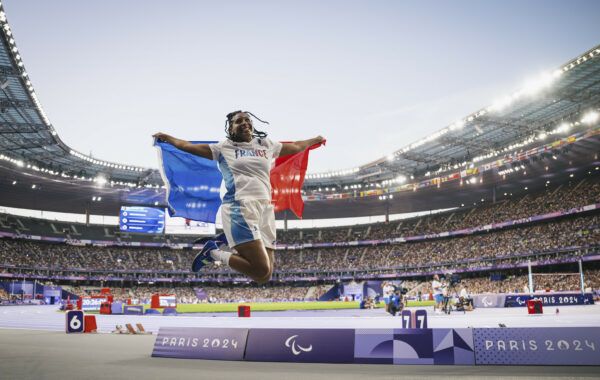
[(531, 274)]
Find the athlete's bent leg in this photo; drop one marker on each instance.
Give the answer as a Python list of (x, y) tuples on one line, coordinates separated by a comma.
[(271, 261), (252, 260)]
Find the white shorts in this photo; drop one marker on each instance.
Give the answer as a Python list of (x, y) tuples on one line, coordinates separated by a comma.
[(249, 220)]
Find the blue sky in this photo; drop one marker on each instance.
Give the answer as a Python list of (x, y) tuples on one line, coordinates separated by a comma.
[(370, 76)]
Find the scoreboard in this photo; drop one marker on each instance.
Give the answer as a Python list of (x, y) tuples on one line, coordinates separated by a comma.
[(163, 300), (142, 219), (181, 226)]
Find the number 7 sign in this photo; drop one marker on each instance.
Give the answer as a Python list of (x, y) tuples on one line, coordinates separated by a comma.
[(414, 319)]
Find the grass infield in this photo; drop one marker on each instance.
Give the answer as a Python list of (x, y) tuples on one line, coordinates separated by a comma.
[(278, 306), (273, 306)]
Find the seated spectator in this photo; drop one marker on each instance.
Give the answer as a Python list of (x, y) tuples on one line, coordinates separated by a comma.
[(363, 304)]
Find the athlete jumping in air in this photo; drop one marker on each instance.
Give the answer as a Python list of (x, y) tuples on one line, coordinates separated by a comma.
[(244, 159)]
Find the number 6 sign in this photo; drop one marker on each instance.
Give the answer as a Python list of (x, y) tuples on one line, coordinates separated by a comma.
[(74, 321)]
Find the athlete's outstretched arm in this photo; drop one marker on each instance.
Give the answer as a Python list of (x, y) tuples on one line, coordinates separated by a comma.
[(299, 146), (201, 150)]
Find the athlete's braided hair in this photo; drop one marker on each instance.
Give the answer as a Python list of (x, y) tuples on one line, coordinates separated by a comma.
[(255, 132)]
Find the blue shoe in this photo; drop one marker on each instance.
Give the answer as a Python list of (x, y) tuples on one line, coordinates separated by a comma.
[(220, 239), (204, 256)]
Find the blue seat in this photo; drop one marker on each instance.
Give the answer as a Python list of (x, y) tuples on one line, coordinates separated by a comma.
[(133, 309), (170, 311)]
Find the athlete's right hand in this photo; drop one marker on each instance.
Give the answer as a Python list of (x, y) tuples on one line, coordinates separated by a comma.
[(161, 136)]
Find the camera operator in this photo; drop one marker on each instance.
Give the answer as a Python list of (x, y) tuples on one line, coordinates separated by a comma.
[(437, 287), (397, 303)]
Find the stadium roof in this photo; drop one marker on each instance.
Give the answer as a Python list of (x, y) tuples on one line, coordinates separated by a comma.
[(529, 115), (28, 137), (550, 108)]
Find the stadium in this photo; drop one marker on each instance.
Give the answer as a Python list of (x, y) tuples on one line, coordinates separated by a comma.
[(501, 206)]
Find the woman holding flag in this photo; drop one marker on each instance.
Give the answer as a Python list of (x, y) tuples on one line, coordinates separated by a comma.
[(244, 159)]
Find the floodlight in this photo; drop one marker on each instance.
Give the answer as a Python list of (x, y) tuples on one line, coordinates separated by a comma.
[(101, 180), (590, 117)]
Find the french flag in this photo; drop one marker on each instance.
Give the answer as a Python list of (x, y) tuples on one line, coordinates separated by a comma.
[(193, 183)]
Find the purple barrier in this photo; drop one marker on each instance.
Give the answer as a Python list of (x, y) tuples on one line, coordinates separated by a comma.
[(551, 299), (414, 346), (384, 346), (489, 300), (301, 345), (201, 343), (537, 346)]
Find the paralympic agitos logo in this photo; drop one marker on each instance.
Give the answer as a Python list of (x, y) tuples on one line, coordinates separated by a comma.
[(485, 302), (296, 349)]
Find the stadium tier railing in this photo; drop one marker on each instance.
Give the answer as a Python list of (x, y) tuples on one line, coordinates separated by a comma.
[(520, 260), (398, 240)]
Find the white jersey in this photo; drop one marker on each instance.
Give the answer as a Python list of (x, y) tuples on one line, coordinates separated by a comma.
[(388, 290), (246, 167), (436, 286)]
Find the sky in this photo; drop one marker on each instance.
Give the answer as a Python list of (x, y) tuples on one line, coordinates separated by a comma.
[(369, 76)]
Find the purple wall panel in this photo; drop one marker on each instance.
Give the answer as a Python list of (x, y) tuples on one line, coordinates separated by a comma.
[(201, 343), (538, 346), (301, 345)]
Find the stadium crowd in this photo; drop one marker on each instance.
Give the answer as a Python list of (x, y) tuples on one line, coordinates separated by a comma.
[(565, 197), (481, 250), (541, 237), (573, 231)]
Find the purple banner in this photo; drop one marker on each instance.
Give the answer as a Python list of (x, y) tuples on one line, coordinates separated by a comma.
[(414, 346), (301, 345), (551, 299), (489, 300), (201, 343), (538, 346)]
